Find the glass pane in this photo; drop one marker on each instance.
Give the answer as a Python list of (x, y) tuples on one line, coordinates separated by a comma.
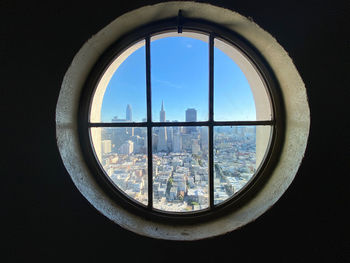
[(239, 92), (122, 153), (120, 95), (179, 69), (180, 168), (238, 153)]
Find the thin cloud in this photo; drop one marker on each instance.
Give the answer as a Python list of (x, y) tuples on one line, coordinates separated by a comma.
[(167, 83)]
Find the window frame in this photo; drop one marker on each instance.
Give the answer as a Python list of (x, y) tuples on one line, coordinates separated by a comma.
[(277, 124)]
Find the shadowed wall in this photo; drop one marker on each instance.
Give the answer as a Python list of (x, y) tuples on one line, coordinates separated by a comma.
[(45, 217)]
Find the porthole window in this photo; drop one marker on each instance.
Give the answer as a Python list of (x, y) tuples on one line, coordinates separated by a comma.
[(181, 121), (182, 126)]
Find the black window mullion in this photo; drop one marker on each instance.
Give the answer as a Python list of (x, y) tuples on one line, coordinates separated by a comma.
[(243, 123), (211, 120), (165, 124), (149, 122), (117, 124)]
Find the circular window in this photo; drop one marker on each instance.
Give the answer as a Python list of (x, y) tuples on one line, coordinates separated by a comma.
[(182, 122), (182, 125)]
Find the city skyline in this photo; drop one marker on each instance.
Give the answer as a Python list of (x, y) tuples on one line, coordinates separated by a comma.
[(180, 173), (180, 78), (180, 154), (190, 115), (180, 157)]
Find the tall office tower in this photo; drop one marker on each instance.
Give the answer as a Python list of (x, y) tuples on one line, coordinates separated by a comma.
[(130, 130), (154, 142), (162, 114), (128, 113), (106, 146), (177, 141), (169, 134), (162, 136), (204, 138), (191, 116), (119, 135)]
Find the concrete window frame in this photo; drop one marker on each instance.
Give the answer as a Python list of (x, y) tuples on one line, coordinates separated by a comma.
[(297, 121)]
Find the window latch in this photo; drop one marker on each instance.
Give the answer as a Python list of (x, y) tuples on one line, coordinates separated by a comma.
[(179, 22)]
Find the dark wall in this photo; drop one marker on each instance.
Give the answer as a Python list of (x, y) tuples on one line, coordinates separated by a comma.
[(45, 217)]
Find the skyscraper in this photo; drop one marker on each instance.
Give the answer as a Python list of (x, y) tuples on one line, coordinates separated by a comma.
[(162, 136), (177, 140), (106, 146), (170, 136), (191, 116), (162, 114), (128, 113), (204, 138)]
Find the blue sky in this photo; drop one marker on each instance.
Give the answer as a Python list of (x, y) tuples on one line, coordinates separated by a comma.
[(179, 77)]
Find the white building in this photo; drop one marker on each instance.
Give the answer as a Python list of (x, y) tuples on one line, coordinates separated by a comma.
[(106, 146)]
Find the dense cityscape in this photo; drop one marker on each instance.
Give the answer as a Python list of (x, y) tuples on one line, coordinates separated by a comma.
[(180, 162)]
